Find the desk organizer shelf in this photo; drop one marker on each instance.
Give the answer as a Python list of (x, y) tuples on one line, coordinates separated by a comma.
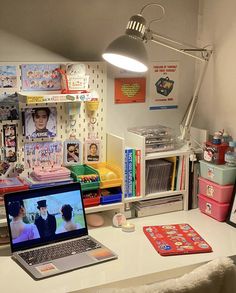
[(111, 195), (87, 176), (110, 175), (91, 198)]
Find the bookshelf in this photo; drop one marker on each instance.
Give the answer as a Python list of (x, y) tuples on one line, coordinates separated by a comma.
[(181, 169)]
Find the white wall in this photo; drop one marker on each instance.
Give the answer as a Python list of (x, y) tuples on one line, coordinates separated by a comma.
[(79, 30), (217, 103)]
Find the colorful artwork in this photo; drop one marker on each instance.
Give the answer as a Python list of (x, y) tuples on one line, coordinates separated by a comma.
[(8, 77), (130, 90), (43, 154), (9, 107), (40, 77)]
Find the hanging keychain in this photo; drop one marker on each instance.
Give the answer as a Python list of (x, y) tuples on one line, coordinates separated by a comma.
[(19, 167), (73, 151), (92, 146)]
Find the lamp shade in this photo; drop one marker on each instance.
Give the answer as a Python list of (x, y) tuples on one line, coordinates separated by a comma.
[(127, 52)]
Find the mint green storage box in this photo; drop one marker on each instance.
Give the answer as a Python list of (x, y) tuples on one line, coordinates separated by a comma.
[(221, 174)]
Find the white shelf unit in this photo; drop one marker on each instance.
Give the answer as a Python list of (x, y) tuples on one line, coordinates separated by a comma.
[(136, 141)]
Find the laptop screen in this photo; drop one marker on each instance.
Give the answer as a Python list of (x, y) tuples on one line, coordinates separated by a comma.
[(40, 216)]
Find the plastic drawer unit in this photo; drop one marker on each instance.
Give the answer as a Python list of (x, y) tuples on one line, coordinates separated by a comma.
[(220, 193), (212, 208), (220, 174)]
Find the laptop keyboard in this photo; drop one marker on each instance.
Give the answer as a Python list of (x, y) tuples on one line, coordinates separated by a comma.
[(60, 250)]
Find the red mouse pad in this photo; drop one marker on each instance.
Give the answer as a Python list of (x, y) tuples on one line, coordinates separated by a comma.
[(176, 239)]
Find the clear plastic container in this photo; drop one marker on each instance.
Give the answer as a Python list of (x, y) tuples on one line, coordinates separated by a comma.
[(158, 138), (230, 155)]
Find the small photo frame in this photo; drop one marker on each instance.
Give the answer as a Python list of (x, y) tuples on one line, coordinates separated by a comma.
[(92, 151), (73, 153), (40, 122), (232, 211)]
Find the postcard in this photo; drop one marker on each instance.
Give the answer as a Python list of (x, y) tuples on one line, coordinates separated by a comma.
[(8, 77), (40, 122), (40, 77)]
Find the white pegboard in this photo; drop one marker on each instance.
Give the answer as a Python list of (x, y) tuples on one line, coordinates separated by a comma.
[(80, 124)]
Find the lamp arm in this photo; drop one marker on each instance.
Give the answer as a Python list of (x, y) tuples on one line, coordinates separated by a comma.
[(189, 115), (189, 51), (186, 49)]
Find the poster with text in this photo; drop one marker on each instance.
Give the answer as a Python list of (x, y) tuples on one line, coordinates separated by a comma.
[(164, 83)]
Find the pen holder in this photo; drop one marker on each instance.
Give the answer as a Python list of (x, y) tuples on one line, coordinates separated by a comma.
[(92, 106)]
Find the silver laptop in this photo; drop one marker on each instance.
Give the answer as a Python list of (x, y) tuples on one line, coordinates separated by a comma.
[(48, 231)]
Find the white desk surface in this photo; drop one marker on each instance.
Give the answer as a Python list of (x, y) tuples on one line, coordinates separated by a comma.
[(138, 262)]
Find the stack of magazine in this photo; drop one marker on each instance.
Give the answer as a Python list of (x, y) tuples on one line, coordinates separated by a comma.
[(158, 206), (49, 177)]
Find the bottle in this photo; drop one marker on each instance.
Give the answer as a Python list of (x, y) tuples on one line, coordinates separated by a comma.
[(230, 155)]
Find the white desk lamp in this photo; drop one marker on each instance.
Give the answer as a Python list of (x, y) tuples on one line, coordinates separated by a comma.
[(128, 52)]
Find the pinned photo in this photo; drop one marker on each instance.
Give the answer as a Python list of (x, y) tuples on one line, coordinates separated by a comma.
[(40, 122), (72, 152), (92, 151)]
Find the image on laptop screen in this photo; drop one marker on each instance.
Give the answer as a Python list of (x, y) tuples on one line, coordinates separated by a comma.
[(44, 216)]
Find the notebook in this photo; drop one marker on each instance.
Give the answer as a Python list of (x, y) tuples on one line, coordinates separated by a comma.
[(176, 239), (48, 231)]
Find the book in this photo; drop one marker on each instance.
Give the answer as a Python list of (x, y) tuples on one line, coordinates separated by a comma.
[(34, 183), (158, 206), (179, 173), (12, 184), (138, 172), (173, 160), (129, 172), (133, 172)]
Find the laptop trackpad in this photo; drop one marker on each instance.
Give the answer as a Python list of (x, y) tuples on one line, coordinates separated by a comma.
[(73, 261)]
